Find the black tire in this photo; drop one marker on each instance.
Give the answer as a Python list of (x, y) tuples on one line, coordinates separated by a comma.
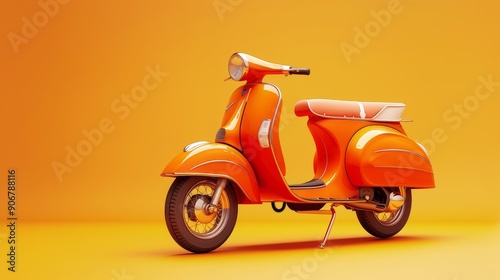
[(183, 218), (374, 225)]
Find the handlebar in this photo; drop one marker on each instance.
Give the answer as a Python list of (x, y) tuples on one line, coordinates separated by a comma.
[(299, 71)]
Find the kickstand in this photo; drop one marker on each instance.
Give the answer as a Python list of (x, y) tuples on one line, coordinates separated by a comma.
[(322, 246)]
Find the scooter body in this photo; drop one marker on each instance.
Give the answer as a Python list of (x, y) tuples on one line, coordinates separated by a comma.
[(364, 161)]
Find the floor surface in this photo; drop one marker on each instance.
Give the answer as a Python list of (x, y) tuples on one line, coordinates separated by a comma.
[(255, 250)]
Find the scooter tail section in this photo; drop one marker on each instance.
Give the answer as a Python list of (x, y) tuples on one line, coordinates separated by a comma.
[(218, 161), (381, 156)]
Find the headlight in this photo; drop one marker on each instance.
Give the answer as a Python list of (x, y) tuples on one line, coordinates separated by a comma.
[(237, 66)]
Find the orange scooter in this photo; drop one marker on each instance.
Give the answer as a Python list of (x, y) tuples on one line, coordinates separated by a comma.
[(364, 161)]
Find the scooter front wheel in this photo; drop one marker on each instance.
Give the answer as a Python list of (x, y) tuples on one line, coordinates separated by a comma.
[(188, 220), (386, 224)]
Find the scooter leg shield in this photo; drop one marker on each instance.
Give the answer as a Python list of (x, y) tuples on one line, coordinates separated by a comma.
[(220, 161)]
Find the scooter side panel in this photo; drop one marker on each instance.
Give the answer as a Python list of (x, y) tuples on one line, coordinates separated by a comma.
[(381, 156), (217, 160)]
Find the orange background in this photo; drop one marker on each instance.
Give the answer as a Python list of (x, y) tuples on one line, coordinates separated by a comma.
[(65, 79), (89, 54)]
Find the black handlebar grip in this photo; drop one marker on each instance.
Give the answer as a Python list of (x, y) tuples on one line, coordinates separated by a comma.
[(299, 71)]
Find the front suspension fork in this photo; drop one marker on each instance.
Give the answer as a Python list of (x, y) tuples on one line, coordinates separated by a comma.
[(212, 207)]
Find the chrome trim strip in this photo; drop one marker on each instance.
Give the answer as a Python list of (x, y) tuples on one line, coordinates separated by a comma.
[(403, 151), (275, 114), (306, 188), (355, 119), (224, 161), (280, 100), (230, 105), (333, 200), (403, 167)]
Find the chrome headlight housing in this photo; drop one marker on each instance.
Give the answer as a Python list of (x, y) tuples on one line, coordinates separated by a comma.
[(237, 66)]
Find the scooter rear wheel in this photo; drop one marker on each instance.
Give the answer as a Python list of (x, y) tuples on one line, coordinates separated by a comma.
[(188, 222), (386, 224)]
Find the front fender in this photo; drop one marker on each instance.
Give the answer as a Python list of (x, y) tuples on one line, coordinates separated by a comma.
[(380, 156), (217, 160)]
